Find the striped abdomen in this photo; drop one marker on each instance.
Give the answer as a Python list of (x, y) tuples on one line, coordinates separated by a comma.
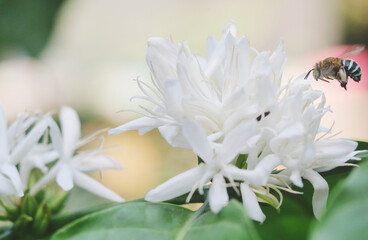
[(352, 69)]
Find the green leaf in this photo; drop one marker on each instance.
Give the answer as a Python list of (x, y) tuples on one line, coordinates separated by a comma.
[(26, 25), (145, 220), (346, 215)]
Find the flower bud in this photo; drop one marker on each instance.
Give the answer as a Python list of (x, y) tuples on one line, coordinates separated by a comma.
[(41, 220), (29, 205), (58, 203), (12, 211), (22, 222)]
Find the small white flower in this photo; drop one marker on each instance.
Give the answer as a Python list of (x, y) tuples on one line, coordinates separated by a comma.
[(70, 168), (298, 146), (15, 145), (39, 155)]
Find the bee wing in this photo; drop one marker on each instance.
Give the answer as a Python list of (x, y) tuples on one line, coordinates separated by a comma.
[(353, 50)]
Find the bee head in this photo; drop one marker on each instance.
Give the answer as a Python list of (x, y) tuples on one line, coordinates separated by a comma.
[(317, 71)]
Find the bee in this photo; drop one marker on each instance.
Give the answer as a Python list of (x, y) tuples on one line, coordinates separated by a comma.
[(337, 68)]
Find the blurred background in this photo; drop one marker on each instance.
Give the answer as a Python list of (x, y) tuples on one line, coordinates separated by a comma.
[(86, 53)]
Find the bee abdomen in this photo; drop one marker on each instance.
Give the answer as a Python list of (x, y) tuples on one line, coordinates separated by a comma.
[(352, 69)]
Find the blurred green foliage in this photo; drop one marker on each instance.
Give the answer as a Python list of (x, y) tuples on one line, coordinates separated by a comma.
[(25, 25), (355, 29)]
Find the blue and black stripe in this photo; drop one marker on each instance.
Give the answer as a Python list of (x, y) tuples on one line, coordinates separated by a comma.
[(352, 69)]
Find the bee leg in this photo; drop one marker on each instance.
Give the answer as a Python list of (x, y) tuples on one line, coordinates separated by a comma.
[(325, 80)]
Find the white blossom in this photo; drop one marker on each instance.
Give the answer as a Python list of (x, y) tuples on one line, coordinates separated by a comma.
[(233, 102), (71, 167), (15, 145)]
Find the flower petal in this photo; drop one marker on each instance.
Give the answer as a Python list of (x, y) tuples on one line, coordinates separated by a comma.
[(12, 173), (197, 138), (64, 177), (6, 186), (174, 136), (88, 163), (251, 204), (84, 181), (236, 140), (296, 178), (173, 98), (161, 59), (23, 148), (334, 148), (176, 186), (71, 129), (217, 195), (278, 59), (320, 194), (56, 137), (143, 124), (243, 59)]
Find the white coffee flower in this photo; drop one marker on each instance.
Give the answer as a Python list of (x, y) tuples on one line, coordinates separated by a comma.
[(70, 168), (228, 104), (298, 144), (15, 145)]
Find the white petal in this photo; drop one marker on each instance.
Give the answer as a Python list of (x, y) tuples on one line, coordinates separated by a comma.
[(243, 52), (197, 138), (174, 136), (71, 129), (218, 196), (173, 97), (308, 154), (24, 171), (49, 156), (215, 61), (236, 140), (211, 45), (84, 181), (161, 59), (6, 186), (292, 132), (64, 177), (94, 163), (230, 28), (12, 173), (258, 176), (251, 204), (23, 148), (296, 178), (334, 148), (143, 124), (56, 138), (264, 169), (261, 66), (176, 186), (278, 59), (320, 194)]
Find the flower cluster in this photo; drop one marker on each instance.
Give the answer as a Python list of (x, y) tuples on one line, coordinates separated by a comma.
[(24, 146), (232, 110)]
